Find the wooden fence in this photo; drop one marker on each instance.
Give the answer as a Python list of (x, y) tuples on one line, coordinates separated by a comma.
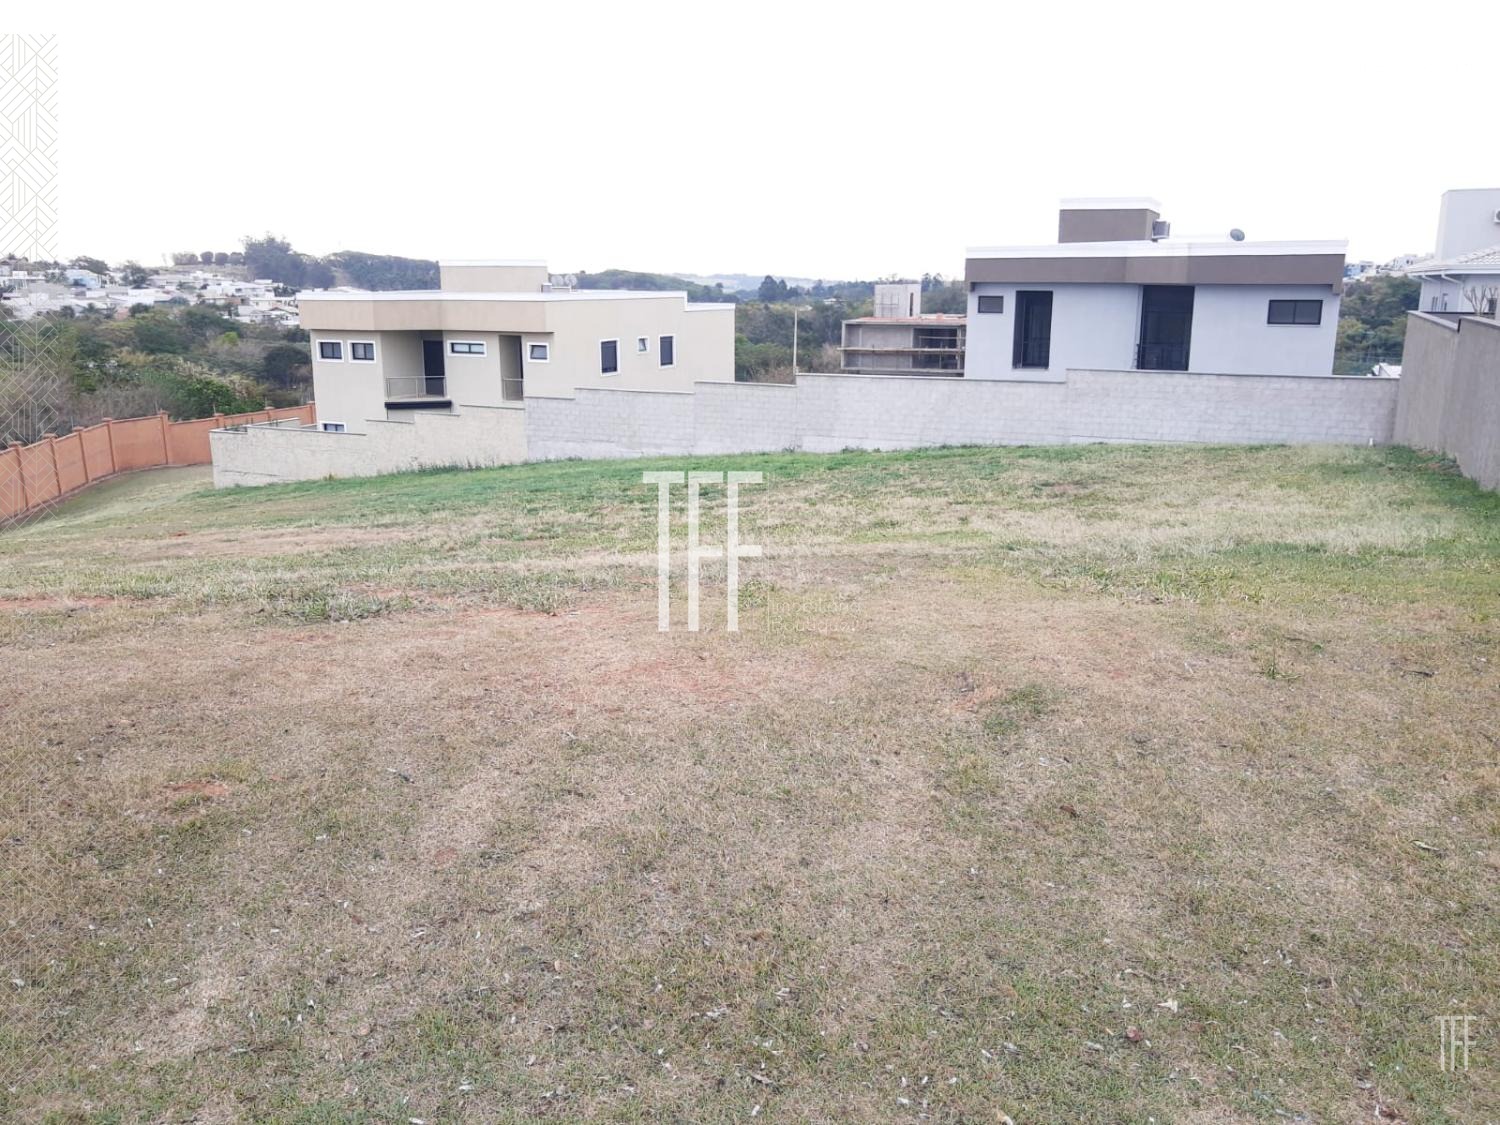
[(39, 474)]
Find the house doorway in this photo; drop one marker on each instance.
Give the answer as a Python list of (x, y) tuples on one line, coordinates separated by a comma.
[(433, 370), (1166, 328)]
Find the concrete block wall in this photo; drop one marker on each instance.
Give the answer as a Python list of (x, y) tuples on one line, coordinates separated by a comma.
[(605, 423), (909, 412), (827, 413), (1135, 406), (746, 417)]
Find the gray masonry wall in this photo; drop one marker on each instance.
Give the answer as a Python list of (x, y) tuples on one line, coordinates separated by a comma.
[(827, 413), (1450, 392)]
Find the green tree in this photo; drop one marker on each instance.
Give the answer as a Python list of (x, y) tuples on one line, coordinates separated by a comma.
[(285, 366), (158, 333)]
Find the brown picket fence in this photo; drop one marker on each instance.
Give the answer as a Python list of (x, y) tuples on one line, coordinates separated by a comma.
[(38, 475)]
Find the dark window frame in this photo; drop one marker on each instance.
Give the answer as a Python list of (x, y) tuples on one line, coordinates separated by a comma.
[(997, 298), (354, 349), (1033, 354), (467, 347), (610, 349), (666, 350), (1295, 311), (338, 350)]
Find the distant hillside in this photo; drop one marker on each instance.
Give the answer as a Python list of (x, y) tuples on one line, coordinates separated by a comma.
[(630, 279), (382, 271)]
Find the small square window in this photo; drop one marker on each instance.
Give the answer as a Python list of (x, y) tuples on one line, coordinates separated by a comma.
[(992, 304), (538, 353), (362, 350), (330, 349), (641, 343), (609, 357), (668, 350)]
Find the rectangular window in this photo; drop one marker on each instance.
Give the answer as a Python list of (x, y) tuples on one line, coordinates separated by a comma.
[(466, 347), (538, 353), (331, 427), (1032, 344), (609, 356), (1295, 312), (362, 350), (992, 304), (641, 344), (668, 350), (330, 349)]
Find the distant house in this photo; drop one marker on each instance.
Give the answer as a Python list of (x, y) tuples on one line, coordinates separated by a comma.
[(1463, 275), (1117, 292), (497, 333), (899, 339)]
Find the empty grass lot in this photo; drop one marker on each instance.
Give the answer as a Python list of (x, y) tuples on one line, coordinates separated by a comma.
[(1082, 784)]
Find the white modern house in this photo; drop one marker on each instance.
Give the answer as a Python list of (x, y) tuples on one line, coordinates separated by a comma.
[(1118, 293), (497, 333), (1463, 276)]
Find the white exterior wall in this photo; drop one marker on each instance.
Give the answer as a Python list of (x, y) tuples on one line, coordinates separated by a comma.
[(1097, 327), (1092, 326), (1231, 336), (1468, 220)]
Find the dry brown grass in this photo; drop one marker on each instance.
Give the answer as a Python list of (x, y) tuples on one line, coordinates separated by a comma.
[(972, 794)]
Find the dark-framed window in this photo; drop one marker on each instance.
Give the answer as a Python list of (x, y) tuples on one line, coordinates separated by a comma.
[(667, 346), (609, 356), (991, 303), (1294, 312), (362, 350), (330, 349), (1032, 346), (466, 347)]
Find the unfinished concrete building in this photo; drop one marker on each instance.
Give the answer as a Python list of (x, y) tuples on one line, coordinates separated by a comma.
[(899, 339)]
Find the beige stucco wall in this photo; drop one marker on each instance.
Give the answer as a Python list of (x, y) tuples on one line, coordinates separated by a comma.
[(354, 392), (492, 277), (704, 345)]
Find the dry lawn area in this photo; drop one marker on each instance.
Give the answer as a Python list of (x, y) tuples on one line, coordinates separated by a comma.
[(1084, 784)]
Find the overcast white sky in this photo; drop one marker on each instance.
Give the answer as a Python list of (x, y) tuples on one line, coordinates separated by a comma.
[(809, 139)]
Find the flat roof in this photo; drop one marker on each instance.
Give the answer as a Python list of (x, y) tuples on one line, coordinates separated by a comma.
[(456, 295), (1159, 248), (538, 262), (939, 319), (1109, 203)]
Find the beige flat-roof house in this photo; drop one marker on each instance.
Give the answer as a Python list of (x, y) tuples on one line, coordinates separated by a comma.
[(497, 333)]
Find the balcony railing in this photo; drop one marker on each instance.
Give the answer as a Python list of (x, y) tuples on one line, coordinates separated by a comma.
[(1161, 357), (415, 386)]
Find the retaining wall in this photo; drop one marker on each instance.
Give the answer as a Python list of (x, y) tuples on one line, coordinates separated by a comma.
[(1450, 392)]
